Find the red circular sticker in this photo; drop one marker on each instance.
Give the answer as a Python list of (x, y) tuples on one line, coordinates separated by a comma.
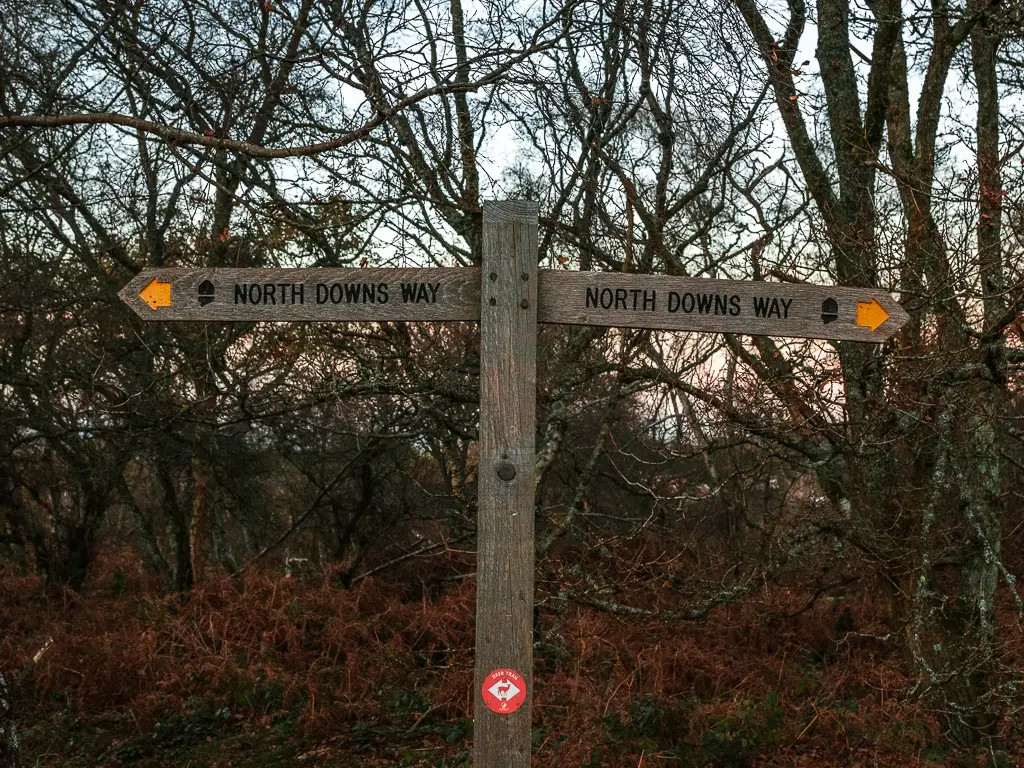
[(504, 691)]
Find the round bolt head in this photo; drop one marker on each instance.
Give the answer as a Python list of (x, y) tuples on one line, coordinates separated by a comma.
[(506, 471)]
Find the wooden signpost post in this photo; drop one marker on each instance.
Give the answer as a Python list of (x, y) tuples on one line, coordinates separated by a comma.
[(508, 295)]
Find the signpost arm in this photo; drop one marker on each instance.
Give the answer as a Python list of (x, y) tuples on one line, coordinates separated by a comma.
[(505, 546)]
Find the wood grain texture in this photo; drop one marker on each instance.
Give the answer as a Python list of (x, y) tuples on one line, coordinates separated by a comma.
[(329, 295), (508, 394), (695, 304), (577, 298)]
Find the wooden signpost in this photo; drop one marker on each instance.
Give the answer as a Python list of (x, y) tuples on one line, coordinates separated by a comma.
[(508, 295), (573, 298)]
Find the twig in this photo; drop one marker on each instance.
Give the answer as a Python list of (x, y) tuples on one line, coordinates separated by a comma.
[(23, 677), (428, 547), (301, 518), (423, 717), (816, 713)]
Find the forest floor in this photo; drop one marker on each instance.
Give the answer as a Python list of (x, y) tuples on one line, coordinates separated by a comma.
[(272, 671)]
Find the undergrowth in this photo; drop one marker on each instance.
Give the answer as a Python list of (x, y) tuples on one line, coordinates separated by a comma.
[(267, 670)]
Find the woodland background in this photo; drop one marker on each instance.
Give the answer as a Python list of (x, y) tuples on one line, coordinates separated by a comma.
[(252, 544)]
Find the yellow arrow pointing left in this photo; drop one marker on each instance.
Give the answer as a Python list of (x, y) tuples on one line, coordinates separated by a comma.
[(156, 294)]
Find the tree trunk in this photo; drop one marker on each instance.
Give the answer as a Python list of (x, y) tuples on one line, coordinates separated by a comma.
[(953, 626), (199, 525), (181, 528), (948, 472), (10, 756)]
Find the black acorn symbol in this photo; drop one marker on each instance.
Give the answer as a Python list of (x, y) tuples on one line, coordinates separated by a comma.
[(829, 311), (206, 293)]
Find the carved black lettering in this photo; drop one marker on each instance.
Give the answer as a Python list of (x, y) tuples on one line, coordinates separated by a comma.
[(323, 293), (785, 308), (369, 293), (761, 306), (673, 301), (240, 293), (591, 297), (649, 300), (255, 293), (688, 303), (421, 293), (734, 305), (351, 293), (382, 293), (433, 291), (721, 304), (704, 301), (408, 292), (636, 298), (337, 293), (607, 298), (620, 298)]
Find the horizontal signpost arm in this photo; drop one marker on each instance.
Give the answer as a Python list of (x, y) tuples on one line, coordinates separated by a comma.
[(729, 306), (575, 298), (316, 294)]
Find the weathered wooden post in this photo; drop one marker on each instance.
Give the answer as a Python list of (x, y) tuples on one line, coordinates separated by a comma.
[(504, 561)]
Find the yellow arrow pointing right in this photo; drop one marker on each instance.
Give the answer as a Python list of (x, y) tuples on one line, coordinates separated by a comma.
[(871, 314), (156, 294)]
